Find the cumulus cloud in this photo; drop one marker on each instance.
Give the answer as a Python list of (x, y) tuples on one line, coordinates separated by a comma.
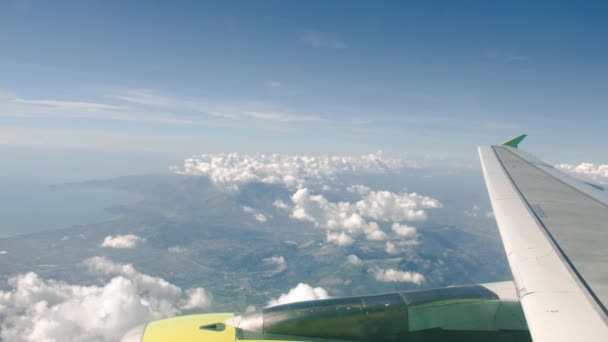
[(122, 241), (229, 170), (399, 247), (154, 286), (280, 204), (35, 309), (340, 239), (393, 275), (301, 292), (359, 189), (346, 220), (196, 298), (256, 214), (404, 230), (596, 172), (279, 261), (353, 260), (391, 248), (389, 206), (260, 217)]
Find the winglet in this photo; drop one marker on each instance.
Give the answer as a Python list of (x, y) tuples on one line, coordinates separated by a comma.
[(515, 141)]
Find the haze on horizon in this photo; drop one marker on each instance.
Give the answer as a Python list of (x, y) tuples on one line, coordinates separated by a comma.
[(160, 82)]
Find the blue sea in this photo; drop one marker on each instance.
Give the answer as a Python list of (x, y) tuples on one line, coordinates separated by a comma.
[(28, 206)]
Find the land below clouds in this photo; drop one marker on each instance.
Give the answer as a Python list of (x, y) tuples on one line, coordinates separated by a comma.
[(196, 235)]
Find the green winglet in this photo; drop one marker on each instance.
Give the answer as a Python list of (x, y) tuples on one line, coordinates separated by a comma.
[(515, 141)]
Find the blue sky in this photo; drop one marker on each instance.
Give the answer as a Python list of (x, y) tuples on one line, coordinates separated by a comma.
[(430, 79)]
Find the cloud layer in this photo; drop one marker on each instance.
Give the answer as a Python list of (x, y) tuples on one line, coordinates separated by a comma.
[(596, 172), (347, 220), (122, 241), (229, 170), (374, 215), (35, 309), (393, 275), (301, 292)]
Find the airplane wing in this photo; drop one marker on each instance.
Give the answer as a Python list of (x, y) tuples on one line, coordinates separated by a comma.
[(555, 232)]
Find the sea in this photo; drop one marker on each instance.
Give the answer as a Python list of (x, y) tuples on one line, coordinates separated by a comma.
[(30, 206)]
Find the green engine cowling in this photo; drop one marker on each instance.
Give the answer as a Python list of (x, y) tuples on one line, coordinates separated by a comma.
[(489, 312)]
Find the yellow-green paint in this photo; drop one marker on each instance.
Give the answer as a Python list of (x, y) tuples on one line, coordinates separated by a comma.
[(187, 328), (515, 141)]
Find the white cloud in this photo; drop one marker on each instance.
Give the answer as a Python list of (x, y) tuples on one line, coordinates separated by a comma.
[(67, 105), (256, 214), (196, 298), (35, 309), (260, 217), (154, 286), (389, 206), (147, 97), (391, 248), (359, 189), (392, 275), (3, 252), (302, 292), (279, 116), (399, 247), (342, 217), (279, 204), (229, 170), (122, 241), (596, 172), (403, 230), (353, 260), (150, 106), (234, 111), (279, 261), (21, 107), (346, 220), (340, 239)]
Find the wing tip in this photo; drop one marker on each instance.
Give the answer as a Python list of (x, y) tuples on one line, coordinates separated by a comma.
[(515, 141)]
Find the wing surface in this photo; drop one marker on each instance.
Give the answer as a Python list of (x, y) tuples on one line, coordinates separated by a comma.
[(555, 232)]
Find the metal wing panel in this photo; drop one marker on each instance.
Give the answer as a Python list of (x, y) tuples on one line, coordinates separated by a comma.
[(534, 210), (574, 220)]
